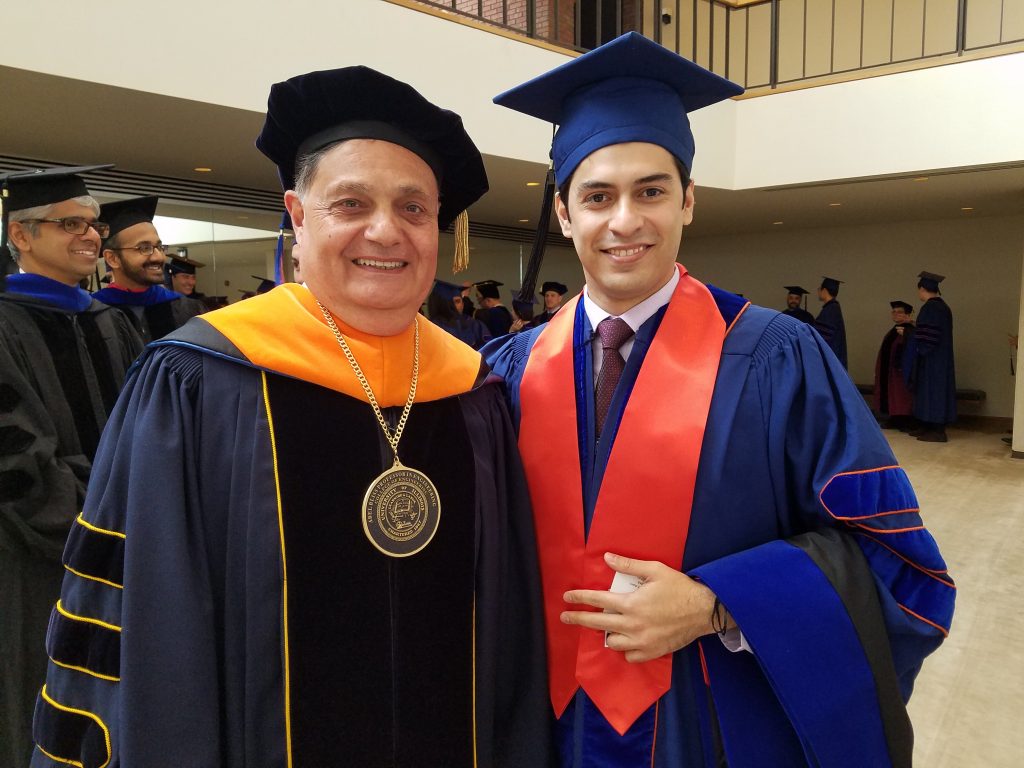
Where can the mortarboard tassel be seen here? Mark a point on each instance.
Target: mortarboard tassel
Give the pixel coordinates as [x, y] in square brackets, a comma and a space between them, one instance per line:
[278, 258]
[460, 261]
[7, 265]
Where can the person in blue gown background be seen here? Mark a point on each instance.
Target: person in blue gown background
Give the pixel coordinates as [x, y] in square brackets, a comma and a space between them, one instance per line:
[933, 373]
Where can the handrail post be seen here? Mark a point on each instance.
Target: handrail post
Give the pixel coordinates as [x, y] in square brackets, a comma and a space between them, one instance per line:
[773, 63]
[961, 27]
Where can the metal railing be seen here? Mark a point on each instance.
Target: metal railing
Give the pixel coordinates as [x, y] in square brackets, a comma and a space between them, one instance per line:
[769, 43]
[576, 24]
[776, 42]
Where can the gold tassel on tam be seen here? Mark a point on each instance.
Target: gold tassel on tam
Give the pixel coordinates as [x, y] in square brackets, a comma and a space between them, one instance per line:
[460, 261]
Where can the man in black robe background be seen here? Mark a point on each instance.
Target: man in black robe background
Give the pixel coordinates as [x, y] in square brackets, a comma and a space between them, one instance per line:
[934, 373]
[63, 359]
[136, 257]
[829, 322]
[794, 295]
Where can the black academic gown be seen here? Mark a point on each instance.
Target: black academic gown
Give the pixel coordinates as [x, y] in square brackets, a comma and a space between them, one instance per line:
[154, 312]
[934, 374]
[259, 627]
[468, 330]
[800, 314]
[60, 373]
[542, 318]
[829, 324]
[497, 319]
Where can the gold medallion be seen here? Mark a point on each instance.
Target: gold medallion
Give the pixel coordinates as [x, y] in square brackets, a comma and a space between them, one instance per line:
[401, 508]
[401, 511]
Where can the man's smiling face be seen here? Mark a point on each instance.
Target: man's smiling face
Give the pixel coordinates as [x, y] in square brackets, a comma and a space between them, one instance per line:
[625, 213]
[367, 228]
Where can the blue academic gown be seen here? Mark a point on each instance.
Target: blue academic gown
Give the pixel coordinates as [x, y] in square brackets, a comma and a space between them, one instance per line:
[179, 642]
[801, 515]
[933, 375]
[154, 312]
[830, 325]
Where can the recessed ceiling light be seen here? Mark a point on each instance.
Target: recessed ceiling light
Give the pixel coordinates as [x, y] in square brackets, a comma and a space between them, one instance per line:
[967, 209]
[834, 205]
[524, 221]
[243, 217]
[777, 222]
[533, 183]
[202, 169]
[921, 178]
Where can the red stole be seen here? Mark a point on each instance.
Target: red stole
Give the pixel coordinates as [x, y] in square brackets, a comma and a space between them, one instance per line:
[643, 507]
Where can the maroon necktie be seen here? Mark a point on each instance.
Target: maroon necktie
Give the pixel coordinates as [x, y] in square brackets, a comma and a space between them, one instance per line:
[614, 332]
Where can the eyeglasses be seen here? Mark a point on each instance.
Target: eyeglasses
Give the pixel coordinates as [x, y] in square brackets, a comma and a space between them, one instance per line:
[146, 249]
[76, 225]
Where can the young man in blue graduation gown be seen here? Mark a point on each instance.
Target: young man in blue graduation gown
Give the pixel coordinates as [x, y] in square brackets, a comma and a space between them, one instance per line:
[731, 481]
[63, 359]
[308, 542]
[933, 374]
[829, 322]
[136, 257]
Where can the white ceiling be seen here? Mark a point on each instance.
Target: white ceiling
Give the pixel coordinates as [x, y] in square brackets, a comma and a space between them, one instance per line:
[62, 120]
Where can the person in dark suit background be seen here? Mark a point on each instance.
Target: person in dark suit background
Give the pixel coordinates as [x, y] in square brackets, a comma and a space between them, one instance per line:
[829, 322]
[552, 293]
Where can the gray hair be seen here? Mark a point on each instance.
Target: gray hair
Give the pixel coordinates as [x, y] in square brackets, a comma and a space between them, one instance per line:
[43, 212]
[306, 168]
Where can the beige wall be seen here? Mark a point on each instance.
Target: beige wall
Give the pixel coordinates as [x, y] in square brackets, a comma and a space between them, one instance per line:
[981, 258]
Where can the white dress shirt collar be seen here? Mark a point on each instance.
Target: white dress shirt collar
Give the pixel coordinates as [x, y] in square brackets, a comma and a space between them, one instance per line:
[638, 314]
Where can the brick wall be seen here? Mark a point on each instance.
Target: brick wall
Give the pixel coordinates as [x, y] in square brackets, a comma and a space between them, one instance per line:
[514, 13]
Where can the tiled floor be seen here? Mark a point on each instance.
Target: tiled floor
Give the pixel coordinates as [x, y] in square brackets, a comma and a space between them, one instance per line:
[968, 705]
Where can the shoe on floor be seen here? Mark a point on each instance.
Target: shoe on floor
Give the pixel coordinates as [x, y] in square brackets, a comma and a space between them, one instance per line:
[932, 437]
[1007, 440]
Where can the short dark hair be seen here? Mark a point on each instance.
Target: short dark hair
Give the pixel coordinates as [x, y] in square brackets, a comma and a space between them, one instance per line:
[684, 177]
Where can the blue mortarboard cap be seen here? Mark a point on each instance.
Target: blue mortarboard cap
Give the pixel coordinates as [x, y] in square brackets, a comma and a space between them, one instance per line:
[447, 291]
[315, 110]
[930, 281]
[522, 303]
[121, 214]
[630, 89]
